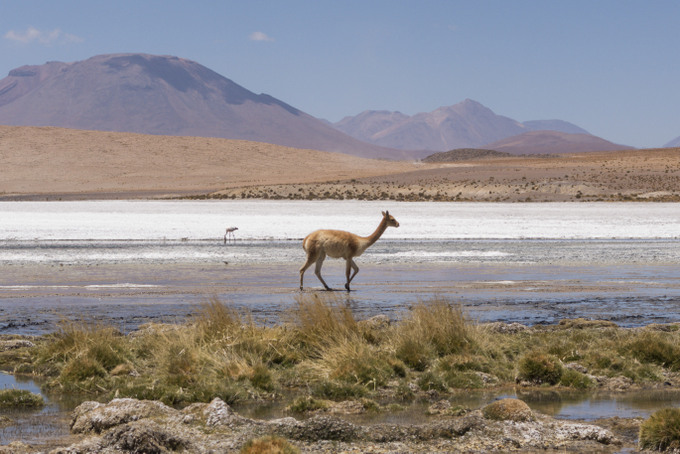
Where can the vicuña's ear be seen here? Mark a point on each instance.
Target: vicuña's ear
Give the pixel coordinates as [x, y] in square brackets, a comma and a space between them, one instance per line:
[384, 214]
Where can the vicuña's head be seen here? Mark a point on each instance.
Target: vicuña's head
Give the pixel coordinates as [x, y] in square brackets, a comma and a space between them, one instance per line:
[391, 222]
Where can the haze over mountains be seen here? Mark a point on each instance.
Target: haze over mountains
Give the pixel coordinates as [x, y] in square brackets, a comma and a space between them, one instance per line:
[166, 95]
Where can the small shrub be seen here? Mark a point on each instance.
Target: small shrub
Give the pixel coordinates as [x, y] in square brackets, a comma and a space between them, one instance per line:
[261, 378]
[661, 431]
[574, 379]
[404, 392]
[414, 353]
[109, 355]
[20, 398]
[463, 380]
[81, 368]
[538, 368]
[431, 381]
[181, 365]
[652, 347]
[269, 445]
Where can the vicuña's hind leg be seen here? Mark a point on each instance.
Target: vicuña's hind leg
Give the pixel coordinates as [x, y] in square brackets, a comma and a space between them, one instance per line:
[311, 258]
[317, 270]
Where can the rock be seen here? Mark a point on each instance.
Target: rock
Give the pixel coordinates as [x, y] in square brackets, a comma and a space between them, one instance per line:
[218, 413]
[316, 428]
[439, 408]
[126, 425]
[619, 383]
[146, 436]
[13, 344]
[577, 367]
[506, 328]
[95, 417]
[581, 323]
[508, 410]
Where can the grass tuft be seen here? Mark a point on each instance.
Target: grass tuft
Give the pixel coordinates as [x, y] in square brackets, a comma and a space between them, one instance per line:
[20, 398]
[661, 431]
[269, 445]
[540, 368]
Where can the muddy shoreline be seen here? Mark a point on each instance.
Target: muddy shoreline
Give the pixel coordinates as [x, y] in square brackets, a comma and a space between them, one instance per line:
[33, 298]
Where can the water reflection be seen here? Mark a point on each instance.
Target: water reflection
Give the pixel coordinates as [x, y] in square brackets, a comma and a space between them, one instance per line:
[31, 426]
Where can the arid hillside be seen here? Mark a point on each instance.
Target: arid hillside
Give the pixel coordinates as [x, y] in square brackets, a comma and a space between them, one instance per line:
[631, 175]
[54, 163]
[38, 162]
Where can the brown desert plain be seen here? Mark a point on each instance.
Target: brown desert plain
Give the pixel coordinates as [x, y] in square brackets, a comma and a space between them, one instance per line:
[41, 163]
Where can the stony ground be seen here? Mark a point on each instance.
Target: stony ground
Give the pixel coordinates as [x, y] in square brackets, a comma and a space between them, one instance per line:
[129, 425]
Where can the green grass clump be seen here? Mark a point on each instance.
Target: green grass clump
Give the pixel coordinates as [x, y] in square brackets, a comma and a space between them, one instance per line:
[540, 368]
[653, 347]
[20, 398]
[334, 390]
[661, 431]
[307, 404]
[575, 379]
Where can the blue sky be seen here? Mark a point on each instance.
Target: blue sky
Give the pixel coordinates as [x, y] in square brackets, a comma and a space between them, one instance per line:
[609, 66]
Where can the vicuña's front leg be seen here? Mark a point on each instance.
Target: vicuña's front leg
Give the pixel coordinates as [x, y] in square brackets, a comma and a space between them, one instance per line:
[350, 266]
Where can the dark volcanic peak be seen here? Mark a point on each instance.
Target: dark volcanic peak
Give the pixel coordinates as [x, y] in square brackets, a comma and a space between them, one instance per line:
[465, 154]
[161, 95]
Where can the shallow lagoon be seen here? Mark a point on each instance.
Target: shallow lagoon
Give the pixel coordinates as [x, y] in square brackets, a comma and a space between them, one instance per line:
[130, 262]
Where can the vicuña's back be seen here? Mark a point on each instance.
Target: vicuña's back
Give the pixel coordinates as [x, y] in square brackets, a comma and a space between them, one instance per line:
[340, 244]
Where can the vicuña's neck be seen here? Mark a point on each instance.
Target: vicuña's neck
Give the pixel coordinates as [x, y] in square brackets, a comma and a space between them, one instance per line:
[377, 234]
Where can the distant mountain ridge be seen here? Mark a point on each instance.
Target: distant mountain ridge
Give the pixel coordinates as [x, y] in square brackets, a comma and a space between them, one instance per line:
[467, 124]
[673, 143]
[166, 95]
[552, 142]
[163, 95]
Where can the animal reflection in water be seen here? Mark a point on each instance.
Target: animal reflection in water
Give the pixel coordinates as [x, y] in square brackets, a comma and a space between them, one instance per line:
[229, 235]
[340, 244]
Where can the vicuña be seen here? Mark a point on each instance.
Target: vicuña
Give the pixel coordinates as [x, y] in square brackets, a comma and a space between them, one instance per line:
[340, 244]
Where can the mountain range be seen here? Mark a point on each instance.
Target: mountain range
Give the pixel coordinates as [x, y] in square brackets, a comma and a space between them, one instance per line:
[162, 95]
[167, 95]
[467, 124]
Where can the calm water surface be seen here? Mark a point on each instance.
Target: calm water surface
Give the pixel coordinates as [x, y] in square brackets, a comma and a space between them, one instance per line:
[130, 262]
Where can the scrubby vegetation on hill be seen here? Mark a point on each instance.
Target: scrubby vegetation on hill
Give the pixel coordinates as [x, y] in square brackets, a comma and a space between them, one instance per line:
[464, 154]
